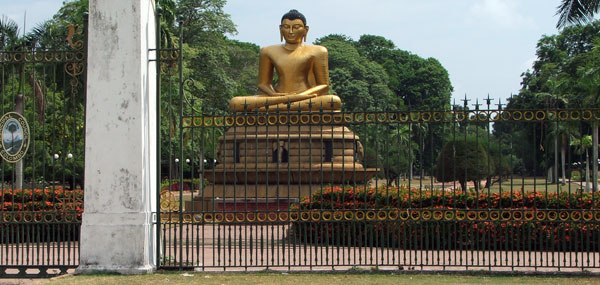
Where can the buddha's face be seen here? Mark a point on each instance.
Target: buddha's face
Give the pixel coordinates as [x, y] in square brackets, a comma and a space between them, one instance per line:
[293, 30]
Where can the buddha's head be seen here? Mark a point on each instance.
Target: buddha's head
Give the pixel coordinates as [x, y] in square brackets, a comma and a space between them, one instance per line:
[293, 27]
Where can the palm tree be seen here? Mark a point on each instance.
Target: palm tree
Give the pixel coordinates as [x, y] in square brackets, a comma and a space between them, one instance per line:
[559, 133]
[11, 41]
[9, 33]
[587, 83]
[167, 12]
[400, 148]
[583, 144]
[555, 99]
[576, 12]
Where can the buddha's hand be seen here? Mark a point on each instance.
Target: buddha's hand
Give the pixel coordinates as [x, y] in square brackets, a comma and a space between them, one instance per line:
[278, 94]
[301, 95]
[308, 96]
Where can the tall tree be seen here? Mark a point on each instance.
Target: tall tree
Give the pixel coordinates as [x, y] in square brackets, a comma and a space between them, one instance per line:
[563, 76]
[587, 85]
[361, 83]
[582, 11]
[422, 83]
[583, 144]
[9, 33]
[199, 16]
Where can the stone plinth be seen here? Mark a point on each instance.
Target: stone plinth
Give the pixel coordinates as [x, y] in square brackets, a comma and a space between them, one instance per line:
[289, 155]
[239, 204]
[282, 162]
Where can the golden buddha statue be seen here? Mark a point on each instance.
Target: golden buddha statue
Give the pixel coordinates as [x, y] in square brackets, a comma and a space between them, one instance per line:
[302, 72]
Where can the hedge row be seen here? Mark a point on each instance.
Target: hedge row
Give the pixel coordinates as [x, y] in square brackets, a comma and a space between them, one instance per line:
[449, 234]
[56, 199]
[404, 198]
[40, 215]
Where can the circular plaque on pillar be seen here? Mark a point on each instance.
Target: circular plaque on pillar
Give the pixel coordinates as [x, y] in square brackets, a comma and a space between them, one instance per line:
[15, 137]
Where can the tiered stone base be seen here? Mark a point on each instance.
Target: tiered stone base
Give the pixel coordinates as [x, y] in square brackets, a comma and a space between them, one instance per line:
[275, 166]
[239, 204]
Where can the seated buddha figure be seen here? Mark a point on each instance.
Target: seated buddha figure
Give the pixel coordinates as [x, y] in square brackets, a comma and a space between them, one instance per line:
[302, 74]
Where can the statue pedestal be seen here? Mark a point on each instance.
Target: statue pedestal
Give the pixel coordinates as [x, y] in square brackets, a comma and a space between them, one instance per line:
[239, 204]
[265, 166]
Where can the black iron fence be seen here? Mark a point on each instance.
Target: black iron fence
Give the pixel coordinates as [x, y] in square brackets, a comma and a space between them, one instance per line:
[42, 93]
[494, 189]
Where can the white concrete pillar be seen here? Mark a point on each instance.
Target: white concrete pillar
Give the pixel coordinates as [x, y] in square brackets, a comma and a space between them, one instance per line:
[117, 234]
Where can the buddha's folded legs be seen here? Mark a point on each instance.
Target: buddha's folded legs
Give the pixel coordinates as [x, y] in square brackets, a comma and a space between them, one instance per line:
[319, 103]
[250, 103]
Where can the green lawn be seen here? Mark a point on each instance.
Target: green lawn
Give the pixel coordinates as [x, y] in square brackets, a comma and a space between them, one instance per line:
[316, 278]
[529, 184]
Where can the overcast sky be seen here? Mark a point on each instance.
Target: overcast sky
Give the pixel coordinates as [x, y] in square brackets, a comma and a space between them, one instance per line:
[484, 44]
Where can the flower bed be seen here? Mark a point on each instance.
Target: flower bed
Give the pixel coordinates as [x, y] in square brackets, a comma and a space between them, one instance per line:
[40, 214]
[452, 220]
[56, 199]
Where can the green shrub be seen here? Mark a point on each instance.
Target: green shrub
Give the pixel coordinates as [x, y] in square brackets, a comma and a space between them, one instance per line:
[463, 160]
[576, 175]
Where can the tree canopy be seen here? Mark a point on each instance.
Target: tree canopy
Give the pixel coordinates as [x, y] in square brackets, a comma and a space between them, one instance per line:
[566, 74]
[463, 160]
[372, 72]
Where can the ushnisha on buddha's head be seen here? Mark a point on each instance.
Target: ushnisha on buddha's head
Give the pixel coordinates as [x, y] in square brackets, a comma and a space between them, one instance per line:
[293, 27]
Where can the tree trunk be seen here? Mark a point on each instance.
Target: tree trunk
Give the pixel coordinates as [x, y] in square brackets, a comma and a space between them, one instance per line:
[595, 157]
[476, 184]
[174, 171]
[562, 161]
[39, 95]
[200, 171]
[555, 176]
[463, 184]
[587, 171]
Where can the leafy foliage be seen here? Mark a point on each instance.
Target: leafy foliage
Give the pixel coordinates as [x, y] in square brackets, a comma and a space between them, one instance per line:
[360, 83]
[576, 11]
[373, 74]
[421, 83]
[566, 74]
[54, 102]
[463, 160]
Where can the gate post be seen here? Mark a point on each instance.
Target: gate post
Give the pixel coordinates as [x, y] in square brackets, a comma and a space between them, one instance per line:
[117, 232]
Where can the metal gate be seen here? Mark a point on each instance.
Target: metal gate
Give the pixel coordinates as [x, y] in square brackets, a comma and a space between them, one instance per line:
[405, 190]
[42, 93]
